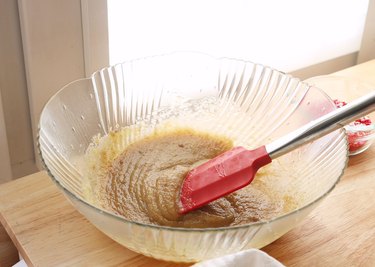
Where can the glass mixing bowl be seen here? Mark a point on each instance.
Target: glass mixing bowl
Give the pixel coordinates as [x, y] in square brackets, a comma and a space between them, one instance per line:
[269, 104]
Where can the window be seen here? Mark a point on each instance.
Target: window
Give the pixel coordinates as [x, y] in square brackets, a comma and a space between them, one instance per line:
[287, 35]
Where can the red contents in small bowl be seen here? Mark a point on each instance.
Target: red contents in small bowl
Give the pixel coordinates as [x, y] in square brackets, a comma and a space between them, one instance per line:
[356, 138]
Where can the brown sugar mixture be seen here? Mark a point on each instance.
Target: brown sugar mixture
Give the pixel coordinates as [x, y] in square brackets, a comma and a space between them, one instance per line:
[142, 184]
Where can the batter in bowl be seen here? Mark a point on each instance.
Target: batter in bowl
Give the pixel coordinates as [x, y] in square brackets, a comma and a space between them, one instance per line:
[143, 182]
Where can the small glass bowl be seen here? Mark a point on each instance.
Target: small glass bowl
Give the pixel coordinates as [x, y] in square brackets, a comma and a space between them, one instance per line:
[360, 137]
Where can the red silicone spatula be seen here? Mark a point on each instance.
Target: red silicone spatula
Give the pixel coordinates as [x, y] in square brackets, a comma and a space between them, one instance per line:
[237, 167]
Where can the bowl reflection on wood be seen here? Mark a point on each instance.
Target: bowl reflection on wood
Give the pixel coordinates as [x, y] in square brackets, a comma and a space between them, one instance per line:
[121, 95]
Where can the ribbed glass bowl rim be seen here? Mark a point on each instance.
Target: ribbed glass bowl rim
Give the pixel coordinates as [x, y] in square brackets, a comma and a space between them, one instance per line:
[359, 128]
[182, 229]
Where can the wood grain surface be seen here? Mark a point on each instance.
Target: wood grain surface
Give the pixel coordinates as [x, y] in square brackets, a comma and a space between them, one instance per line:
[48, 231]
[8, 252]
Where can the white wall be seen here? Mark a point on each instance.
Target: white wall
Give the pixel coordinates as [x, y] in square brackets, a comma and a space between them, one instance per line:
[53, 49]
[5, 167]
[63, 40]
[14, 91]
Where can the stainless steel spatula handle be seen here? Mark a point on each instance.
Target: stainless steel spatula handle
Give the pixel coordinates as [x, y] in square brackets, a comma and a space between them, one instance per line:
[322, 126]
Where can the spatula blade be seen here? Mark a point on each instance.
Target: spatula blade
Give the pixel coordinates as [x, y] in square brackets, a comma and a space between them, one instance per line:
[220, 176]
